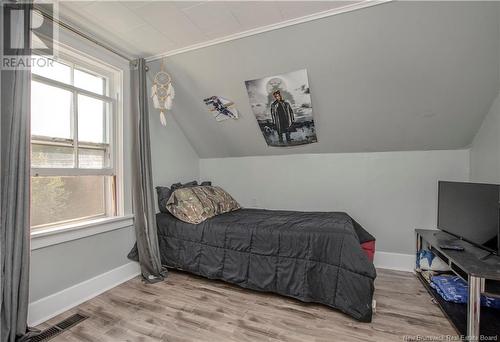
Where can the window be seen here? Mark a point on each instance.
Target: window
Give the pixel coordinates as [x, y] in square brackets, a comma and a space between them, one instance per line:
[73, 130]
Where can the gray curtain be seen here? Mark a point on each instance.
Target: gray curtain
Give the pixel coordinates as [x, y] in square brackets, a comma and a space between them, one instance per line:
[15, 196]
[147, 250]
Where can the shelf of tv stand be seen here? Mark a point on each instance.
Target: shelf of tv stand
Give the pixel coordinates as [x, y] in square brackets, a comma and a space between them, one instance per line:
[472, 261]
[457, 313]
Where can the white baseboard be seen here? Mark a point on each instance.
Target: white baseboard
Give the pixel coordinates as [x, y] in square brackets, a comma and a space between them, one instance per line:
[395, 261]
[51, 306]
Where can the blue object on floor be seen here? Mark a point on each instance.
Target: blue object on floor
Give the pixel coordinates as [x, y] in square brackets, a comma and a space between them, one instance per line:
[454, 289]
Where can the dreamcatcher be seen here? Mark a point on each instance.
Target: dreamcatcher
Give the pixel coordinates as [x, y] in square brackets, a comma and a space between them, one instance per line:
[162, 93]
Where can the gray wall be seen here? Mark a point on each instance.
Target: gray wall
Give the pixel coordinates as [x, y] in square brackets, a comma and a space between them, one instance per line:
[485, 150]
[399, 76]
[173, 158]
[58, 267]
[389, 193]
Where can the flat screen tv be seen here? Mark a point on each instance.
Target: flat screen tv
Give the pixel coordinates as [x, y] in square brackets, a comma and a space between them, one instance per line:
[471, 211]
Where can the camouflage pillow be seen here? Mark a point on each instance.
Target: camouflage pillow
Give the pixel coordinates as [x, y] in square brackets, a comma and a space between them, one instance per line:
[196, 204]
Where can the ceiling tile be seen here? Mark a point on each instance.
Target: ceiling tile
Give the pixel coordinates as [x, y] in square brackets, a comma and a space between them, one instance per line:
[214, 18]
[133, 5]
[297, 9]
[252, 14]
[113, 15]
[187, 4]
[172, 22]
[74, 4]
[149, 41]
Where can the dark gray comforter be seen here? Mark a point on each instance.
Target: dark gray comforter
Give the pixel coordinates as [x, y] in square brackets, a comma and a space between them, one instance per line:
[311, 256]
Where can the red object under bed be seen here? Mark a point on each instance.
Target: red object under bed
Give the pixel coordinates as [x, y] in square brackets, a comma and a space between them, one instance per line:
[369, 248]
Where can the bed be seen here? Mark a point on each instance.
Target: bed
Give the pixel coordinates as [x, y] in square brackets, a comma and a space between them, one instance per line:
[320, 257]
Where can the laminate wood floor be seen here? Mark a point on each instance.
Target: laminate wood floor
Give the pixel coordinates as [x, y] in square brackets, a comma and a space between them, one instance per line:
[191, 308]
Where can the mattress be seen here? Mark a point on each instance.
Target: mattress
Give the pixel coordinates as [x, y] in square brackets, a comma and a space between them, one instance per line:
[311, 256]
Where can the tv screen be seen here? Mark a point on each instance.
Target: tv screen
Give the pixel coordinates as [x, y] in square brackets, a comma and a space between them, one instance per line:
[471, 211]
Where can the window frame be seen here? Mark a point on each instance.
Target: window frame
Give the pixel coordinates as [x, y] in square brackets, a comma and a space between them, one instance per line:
[113, 172]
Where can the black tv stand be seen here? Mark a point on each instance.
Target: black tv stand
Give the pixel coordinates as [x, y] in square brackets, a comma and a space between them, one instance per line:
[480, 269]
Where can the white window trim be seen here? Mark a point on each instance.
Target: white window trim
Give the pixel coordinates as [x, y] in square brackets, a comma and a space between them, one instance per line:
[59, 233]
[54, 235]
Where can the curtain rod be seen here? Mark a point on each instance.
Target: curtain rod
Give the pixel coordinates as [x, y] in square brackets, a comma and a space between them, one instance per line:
[81, 34]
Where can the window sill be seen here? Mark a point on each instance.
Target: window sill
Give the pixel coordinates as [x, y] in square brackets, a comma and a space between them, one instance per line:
[54, 235]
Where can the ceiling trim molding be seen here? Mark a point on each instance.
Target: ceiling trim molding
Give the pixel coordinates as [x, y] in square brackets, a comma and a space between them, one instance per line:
[267, 28]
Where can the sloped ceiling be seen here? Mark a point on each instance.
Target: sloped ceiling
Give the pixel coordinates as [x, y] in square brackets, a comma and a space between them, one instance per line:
[394, 77]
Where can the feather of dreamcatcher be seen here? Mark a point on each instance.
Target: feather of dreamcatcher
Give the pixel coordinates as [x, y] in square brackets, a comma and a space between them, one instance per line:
[156, 103]
[170, 97]
[163, 118]
[162, 93]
